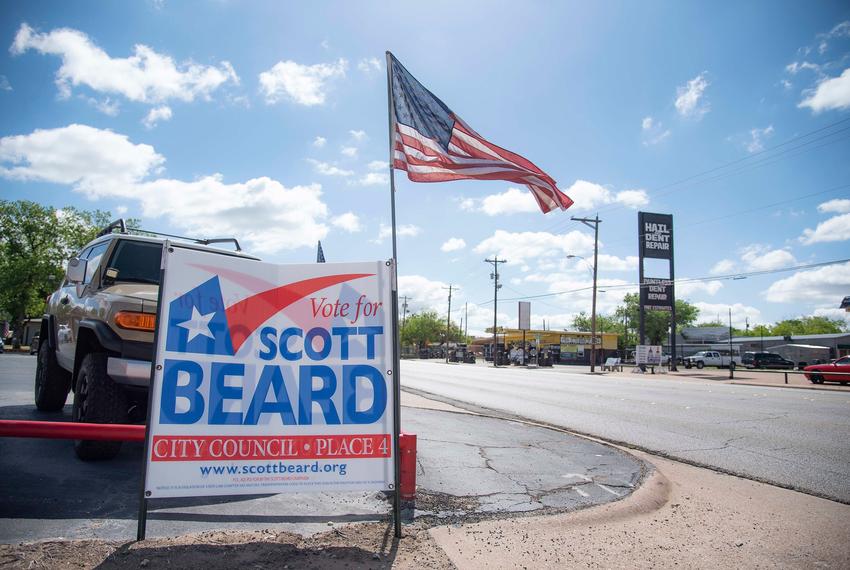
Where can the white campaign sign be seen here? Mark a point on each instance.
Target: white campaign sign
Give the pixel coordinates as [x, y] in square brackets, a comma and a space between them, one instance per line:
[648, 354]
[270, 378]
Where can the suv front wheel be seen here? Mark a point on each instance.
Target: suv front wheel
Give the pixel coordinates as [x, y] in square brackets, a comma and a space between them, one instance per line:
[52, 382]
[97, 400]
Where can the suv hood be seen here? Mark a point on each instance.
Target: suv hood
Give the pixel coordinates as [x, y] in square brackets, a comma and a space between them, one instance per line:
[142, 291]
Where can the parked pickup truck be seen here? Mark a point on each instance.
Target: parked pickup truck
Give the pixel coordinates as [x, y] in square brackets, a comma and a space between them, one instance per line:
[705, 358]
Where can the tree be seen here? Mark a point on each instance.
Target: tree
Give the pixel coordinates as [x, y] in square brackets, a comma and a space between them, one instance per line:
[658, 322]
[808, 325]
[604, 323]
[35, 242]
[427, 327]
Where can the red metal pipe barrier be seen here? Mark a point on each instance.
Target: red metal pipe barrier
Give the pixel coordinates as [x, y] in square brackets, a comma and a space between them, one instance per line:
[71, 430]
[407, 482]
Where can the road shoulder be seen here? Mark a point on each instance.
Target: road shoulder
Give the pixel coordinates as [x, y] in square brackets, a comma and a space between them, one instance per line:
[683, 516]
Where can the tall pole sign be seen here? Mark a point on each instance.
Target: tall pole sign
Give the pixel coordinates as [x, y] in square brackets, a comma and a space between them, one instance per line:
[655, 239]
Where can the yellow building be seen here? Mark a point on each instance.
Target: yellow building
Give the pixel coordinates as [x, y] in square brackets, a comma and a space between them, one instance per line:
[566, 347]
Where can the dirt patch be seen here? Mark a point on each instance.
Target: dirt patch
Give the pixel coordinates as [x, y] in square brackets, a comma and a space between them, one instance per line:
[370, 545]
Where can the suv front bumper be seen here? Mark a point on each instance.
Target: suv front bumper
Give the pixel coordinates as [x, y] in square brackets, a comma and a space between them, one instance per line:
[129, 372]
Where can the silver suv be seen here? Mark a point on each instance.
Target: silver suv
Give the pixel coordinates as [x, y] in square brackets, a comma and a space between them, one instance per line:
[97, 333]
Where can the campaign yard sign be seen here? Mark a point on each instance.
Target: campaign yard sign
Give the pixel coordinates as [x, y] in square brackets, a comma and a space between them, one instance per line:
[270, 378]
[648, 354]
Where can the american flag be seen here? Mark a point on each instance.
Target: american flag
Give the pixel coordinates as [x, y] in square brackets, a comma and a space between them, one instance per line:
[434, 145]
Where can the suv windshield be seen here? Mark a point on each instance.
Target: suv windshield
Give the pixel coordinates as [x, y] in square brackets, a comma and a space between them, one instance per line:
[136, 261]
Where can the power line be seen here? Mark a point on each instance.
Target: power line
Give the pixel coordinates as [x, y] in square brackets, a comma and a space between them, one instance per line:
[742, 275]
[764, 161]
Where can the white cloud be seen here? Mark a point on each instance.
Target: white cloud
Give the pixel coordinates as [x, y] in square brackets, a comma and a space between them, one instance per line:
[709, 312]
[614, 263]
[405, 230]
[824, 285]
[349, 151]
[319, 142]
[303, 84]
[836, 206]
[632, 198]
[833, 312]
[653, 131]
[521, 246]
[4, 83]
[762, 258]
[511, 201]
[757, 136]
[453, 244]
[348, 222]
[359, 136]
[590, 196]
[107, 105]
[374, 179]
[831, 93]
[836, 228]
[369, 65]
[377, 165]
[688, 288]
[796, 67]
[688, 97]
[261, 212]
[723, 267]
[97, 162]
[145, 77]
[329, 169]
[156, 115]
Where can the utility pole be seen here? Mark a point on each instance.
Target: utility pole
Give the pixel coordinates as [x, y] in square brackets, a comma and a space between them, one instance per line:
[466, 321]
[404, 310]
[731, 362]
[496, 286]
[592, 223]
[448, 322]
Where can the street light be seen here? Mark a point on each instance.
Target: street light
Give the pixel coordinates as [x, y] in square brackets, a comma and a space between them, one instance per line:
[592, 223]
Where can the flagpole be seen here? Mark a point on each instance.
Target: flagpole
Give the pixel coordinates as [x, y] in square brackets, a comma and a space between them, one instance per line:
[396, 345]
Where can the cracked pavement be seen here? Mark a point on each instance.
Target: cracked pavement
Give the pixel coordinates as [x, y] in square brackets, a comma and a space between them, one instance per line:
[502, 467]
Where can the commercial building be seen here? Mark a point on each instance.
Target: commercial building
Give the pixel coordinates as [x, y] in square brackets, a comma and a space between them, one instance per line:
[838, 343]
[564, 347]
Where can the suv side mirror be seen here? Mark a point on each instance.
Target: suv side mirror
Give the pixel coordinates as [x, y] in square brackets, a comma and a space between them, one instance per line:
[76, 270]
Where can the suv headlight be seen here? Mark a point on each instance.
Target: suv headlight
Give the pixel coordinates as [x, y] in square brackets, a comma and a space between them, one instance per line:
[136, 321]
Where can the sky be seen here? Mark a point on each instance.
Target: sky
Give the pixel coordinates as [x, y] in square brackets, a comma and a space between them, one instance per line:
[267, 121]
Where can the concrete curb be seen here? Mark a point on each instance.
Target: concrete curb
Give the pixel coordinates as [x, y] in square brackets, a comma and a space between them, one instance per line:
[794, 386]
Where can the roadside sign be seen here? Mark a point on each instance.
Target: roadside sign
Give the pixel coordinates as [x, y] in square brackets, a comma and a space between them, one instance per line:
[524, 315]
[270, 378]
[657, 294]
[648, 354]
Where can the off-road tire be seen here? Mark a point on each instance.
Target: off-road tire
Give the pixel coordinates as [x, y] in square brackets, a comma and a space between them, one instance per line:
[52, 382]
[700, 364]
[97, 400]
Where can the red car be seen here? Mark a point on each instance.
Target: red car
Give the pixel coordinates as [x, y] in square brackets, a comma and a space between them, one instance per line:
[818, 373]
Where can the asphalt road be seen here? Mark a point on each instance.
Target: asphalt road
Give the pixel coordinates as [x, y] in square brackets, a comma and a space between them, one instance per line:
[798, 439]
[468, 465]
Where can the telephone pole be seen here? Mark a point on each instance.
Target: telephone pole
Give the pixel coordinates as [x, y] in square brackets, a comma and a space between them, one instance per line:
[496, 286]
[592, 223]
[448, 323]
[466, 321]
[404, 310]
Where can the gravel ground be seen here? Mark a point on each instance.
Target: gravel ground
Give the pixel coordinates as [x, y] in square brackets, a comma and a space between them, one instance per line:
[355, 546]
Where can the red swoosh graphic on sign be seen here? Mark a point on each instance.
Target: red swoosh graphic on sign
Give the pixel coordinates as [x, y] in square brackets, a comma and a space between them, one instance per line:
[247, 315]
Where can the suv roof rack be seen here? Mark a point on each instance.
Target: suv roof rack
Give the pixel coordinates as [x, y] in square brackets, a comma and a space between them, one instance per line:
[119, 223]
[122, 226]
[206, 241]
